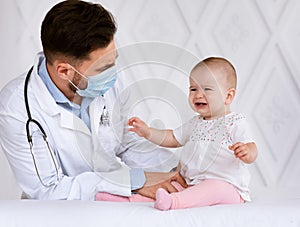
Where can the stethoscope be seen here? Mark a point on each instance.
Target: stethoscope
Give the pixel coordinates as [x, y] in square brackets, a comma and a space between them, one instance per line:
[44, 135]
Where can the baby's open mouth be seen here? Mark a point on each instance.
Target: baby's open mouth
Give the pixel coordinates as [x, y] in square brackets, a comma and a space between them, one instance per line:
[200, 104]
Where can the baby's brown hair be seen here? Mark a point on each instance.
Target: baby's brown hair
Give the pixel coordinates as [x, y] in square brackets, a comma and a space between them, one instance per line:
[223, 66]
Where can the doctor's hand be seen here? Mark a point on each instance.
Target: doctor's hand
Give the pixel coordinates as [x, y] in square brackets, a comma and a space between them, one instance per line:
[155, 180]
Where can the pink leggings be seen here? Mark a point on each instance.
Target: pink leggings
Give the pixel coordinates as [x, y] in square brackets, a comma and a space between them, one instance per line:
[208, 192]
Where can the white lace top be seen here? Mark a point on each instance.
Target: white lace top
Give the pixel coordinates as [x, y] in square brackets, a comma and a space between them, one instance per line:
[206, 154]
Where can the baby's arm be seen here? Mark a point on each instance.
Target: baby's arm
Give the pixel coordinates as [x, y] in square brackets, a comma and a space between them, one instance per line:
[163, 138]
[247, 152]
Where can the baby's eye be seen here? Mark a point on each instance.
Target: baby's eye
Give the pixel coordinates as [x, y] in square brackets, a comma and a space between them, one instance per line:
[208, 89]
[193, 89]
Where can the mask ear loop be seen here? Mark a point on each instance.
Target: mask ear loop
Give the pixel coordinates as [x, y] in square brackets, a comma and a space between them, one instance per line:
[79, 74]
[77, 88]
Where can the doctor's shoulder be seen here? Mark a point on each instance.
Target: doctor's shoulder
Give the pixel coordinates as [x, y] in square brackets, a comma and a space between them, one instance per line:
[14, 89]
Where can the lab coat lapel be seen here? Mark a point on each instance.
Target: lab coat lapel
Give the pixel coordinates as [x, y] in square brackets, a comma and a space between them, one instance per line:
[70, 121]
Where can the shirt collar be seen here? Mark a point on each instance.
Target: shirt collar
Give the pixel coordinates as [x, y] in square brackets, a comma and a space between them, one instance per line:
[58, 96]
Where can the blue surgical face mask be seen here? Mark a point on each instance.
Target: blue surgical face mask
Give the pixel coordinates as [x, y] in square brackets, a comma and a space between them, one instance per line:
[97, 84]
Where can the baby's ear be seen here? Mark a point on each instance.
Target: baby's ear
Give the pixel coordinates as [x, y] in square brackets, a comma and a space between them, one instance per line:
[230, 96]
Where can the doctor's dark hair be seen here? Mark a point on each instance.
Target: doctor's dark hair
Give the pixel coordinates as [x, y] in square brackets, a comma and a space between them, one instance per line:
[74, 28]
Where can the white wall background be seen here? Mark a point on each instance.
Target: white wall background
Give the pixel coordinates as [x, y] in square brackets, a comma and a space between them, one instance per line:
[261, 38]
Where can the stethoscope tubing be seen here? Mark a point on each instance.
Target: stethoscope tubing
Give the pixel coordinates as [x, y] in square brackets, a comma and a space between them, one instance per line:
[29, 137]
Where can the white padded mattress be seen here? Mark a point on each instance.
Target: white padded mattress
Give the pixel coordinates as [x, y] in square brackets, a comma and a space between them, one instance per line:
[31, 213]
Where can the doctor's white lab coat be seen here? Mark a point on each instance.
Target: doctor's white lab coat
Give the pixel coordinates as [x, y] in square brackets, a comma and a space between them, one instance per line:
[88, 160]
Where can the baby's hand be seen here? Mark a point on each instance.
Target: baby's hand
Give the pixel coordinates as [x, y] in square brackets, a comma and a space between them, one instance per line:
[139, 127]
[241, 151]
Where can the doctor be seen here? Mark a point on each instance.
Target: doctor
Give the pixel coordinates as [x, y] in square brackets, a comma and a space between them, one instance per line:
[63, 130]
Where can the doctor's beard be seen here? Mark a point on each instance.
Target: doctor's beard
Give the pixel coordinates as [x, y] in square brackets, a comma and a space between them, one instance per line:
[78, 82]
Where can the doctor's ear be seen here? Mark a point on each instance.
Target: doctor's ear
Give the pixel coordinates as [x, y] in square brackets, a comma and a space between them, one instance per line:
[64, 71]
